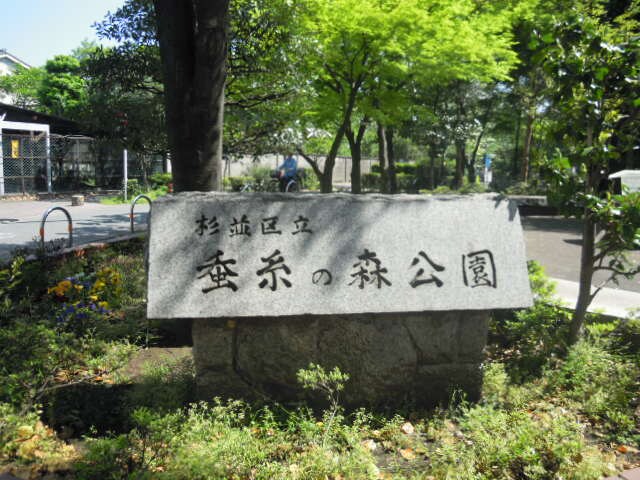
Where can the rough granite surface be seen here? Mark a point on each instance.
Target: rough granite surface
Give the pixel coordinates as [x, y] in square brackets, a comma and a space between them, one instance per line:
[216, 255]
[411, 359]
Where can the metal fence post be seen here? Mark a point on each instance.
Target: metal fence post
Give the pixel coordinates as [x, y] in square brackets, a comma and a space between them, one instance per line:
[125, 169]
[48, 142]
[1, 162]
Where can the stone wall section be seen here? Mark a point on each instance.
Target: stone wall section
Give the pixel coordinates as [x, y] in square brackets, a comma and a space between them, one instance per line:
[393, 359]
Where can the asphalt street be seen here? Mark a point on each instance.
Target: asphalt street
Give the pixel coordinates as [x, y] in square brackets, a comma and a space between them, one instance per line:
[556, 243]
[553, 241]
[20, 222]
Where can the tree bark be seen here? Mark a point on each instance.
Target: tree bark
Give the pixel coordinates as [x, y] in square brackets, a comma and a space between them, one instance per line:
[526, 150]
[516, 150]
[461, 160]
[355, 146]
[587, 256]
[382, 158]
[471, 167]
[432, 167]
[586, 275]
[193, 47]
[391, 158]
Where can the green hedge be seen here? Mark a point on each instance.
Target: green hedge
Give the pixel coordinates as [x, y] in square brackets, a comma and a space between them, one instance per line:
[235, 184]
[406, 182]
[161, 179]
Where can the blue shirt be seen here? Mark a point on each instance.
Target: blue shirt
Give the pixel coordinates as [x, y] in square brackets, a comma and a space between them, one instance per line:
[290, 167]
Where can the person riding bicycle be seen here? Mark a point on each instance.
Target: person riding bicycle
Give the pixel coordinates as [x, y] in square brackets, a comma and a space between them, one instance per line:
[287, 171]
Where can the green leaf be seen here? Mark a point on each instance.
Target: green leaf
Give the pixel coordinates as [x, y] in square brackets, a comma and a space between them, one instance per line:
[601, 73]
[548, 38]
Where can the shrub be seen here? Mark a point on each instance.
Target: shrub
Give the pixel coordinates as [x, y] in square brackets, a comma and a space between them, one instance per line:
[599, 383]
[161, 179]
[133, 188]
[525, 340]
[25, 439]
[406, 168]
[406, 182]
[473, 188]
[31, 355]
[526, 188]
[442, 190]
[310, 180]
[260, 174]
[503, 444]
[140, 453]
[235, 184]
[371, 181]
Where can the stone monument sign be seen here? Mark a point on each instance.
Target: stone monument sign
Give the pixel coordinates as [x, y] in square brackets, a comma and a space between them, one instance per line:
[395, 290]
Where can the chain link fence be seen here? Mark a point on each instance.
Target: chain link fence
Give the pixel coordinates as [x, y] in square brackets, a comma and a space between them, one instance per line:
[77, 163]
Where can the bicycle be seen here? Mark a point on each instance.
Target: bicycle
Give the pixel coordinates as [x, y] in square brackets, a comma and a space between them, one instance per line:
[273, 185]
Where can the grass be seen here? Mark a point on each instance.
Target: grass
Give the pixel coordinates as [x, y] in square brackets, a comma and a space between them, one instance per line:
[547, 412]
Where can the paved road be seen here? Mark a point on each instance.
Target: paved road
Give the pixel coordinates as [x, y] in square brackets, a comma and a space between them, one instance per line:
[20, 222]
[556, 242]
[553, 241]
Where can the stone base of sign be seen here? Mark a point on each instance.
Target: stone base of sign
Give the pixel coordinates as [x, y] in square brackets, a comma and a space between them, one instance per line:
[393, 359]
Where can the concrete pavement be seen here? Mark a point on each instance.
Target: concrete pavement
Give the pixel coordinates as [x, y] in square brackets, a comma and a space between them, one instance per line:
[609, 301]
[20, 222]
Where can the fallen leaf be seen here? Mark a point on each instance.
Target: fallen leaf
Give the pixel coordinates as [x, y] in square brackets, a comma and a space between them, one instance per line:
[369, 444]
[407, 428]
[407, 453]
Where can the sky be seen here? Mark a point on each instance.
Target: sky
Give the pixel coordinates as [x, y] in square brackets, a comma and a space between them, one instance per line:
[37, 30]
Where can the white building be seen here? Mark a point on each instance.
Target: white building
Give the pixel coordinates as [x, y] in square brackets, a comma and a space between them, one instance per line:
[8, 65]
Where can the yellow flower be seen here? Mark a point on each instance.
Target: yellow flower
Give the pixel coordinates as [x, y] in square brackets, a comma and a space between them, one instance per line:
[58, 290]
[78, 287]
[99, 285]
[93, 298]
[103, 304]
[65, 285]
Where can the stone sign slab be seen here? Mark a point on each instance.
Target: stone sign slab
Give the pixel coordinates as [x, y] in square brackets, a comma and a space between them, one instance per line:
[215, 255]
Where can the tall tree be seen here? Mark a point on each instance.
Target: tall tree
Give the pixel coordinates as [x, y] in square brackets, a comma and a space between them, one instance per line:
[595, 68]
[259, 72]
[63, 91]
[193, 49]
[369, 49]
[23, 85]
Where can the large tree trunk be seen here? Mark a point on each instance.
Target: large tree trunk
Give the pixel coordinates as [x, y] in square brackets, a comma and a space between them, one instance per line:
[516, 149]
[193, 47]
[326, 177]
[471, 166]
[432, 167]
[355, 146]
[461, 160]
[586, 276]
[382, 158]
[391, 158]
[526, 150]
[587, 256]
